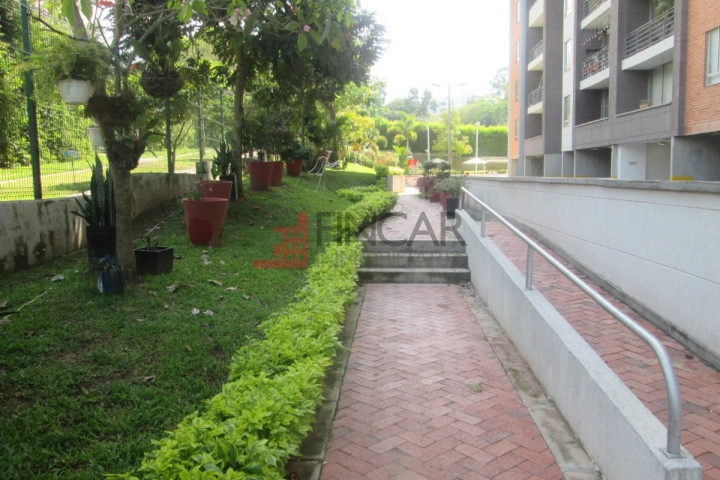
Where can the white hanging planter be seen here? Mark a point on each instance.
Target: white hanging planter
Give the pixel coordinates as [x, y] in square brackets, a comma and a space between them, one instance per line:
[95, 137]
[75, 92]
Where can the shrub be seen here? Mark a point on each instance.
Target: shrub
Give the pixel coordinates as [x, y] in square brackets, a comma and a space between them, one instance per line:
[371, 208]
[256, 423]
[381, 171]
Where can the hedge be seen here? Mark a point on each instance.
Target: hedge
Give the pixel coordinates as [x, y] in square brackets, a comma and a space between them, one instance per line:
[256, 423]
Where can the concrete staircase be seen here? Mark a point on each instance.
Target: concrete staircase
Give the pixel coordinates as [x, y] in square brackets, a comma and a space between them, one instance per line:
[416, 262]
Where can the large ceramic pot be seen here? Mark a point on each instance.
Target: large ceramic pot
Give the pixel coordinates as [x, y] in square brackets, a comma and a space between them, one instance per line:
[294, 168]
[215, 188]
[231, 178]
[205, 219]
[277, 174]
[152, 261]
[260, 174]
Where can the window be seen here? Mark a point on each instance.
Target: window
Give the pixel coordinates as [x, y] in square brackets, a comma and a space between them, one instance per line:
[517, 89]
[517, 11]
[567, 55]
[567, 109]
[517, 51]
[660, 84]
[517, 128]
[713, 57]
[568, 7]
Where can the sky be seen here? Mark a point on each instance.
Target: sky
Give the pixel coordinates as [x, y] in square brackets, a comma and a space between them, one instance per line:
[446, 42]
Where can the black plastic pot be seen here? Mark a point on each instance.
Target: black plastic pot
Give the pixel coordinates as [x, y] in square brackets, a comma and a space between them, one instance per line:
[152, 261]
[101, 241]
[453, 203]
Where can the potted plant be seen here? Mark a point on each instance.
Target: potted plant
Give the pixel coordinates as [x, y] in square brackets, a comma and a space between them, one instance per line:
[260, 172]
[224, 168]
[450, 190]
[78, 66]
[153, 259]
[645, 103]
[294, 158]
[110, 276]
[160, 48]
[204, 218]
[98, 211]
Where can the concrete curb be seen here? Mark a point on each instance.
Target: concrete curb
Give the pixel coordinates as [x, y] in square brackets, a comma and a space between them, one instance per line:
[314, 447]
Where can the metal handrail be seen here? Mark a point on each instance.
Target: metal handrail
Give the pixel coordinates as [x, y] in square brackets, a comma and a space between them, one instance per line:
[591, 5]
[535, 97]
[647, 35]
[596, 63]
[674, 427]
[536, 51]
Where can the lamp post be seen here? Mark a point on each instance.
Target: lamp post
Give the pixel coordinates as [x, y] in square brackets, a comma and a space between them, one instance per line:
[449, 122]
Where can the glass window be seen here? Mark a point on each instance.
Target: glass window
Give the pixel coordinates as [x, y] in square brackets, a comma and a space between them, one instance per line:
[517, 89]
[568, 7]
[517, 11]
[661, 83]
[713, 57]
[567, 55]
[566, 111]
[517, 128]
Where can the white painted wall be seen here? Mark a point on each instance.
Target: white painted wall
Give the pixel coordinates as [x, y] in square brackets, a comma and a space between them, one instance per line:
[654, 243]
[616, 429]
[631, 161]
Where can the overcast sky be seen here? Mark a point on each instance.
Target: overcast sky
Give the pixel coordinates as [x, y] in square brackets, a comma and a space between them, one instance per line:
[444, 42]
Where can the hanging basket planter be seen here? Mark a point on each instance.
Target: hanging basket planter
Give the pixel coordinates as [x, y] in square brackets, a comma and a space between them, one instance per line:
[75, 92]
[161, 85]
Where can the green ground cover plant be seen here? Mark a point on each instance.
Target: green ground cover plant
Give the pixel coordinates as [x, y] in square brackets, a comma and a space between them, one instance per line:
[88, 380]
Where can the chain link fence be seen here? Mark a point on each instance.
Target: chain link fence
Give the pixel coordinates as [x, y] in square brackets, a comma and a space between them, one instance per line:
[65, 148]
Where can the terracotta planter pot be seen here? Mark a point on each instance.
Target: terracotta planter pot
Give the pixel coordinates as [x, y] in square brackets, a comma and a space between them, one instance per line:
[152, 261]
[231, 178]
[215, 188]
[294, 168]
[277, 174]
[260, 175]
[443, 200]
[205, 219]
[434, 197]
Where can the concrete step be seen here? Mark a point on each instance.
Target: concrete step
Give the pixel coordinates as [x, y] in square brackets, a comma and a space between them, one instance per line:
[414, 275]
[415, 260]
[417, 246]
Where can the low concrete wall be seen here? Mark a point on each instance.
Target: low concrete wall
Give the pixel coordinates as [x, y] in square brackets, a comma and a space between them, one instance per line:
[617, 430]
[652, 244]
[35, 231]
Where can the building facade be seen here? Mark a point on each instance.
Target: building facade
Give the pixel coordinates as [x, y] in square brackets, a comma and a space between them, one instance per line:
[625, 89]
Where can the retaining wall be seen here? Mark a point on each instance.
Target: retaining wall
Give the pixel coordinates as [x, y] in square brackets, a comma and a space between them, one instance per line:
[36, 231]
[618, 431]
[651, 244]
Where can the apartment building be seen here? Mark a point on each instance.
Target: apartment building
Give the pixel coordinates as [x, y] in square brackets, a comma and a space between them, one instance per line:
[624, 89]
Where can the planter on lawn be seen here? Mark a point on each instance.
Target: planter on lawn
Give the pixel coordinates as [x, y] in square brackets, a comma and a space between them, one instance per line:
[260, 175]
[277, 174]
[205, 219]
[215, 188]
[152, 261]
[294, 168]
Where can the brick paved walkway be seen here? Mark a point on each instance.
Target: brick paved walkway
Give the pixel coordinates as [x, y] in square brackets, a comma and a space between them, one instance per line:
[629, 357]
[425, 397]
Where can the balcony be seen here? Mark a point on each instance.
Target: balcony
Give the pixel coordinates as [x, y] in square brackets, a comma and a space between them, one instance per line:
[536, 17]
[596, 14]
[536, 57]
[535, 101]
[596, 71]
[652, 44]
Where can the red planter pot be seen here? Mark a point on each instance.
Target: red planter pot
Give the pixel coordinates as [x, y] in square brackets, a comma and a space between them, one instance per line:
[277, 174]
[205, 219]
[215, 188]
[434, 196]
[443, 200]
[260, 175]
[294, 168]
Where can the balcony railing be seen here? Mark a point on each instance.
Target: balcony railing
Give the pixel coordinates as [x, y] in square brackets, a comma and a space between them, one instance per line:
[536, 51]
[656, 30]
[536, 96]
[592, 5]
[596, 63]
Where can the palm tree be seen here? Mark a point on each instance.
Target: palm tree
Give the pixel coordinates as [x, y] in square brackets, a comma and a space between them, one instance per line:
[402, 128]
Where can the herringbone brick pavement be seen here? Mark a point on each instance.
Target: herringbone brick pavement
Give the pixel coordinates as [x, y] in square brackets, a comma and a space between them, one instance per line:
[629, 357]
[425, 397]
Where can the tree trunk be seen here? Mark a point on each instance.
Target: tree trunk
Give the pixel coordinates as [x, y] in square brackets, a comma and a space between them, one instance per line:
[125, 243]
[239, 115]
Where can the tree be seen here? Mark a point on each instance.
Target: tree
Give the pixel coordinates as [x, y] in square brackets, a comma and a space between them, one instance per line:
[403, 131]
[459, 142]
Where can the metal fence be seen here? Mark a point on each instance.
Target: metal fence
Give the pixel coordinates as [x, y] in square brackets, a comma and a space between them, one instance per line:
[64, 147]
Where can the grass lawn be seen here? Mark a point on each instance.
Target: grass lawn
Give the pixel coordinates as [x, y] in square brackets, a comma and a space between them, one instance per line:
[87, 380]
